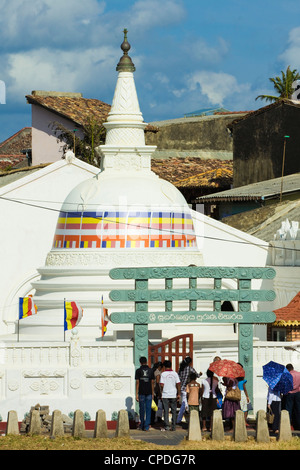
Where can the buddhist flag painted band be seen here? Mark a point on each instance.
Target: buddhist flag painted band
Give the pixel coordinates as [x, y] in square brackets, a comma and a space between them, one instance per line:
[73, 314]
[26, 307]
[104, 318]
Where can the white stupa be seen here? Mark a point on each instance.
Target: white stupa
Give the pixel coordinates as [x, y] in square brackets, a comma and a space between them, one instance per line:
[125, 216]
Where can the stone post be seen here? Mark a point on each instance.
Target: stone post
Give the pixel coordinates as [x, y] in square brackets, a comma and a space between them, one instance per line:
[285, 432]
[194, 433]
[122, 424]
[35, 422]
[217, 432]
[240, 432]
[100, 424]
[12, 426]
[57, 425]
[78, 424]
[262, 430]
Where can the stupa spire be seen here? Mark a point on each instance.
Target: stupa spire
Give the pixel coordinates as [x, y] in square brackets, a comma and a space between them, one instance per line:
[125, 148]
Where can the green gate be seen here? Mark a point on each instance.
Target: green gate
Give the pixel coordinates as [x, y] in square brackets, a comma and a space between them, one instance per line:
[243, 295]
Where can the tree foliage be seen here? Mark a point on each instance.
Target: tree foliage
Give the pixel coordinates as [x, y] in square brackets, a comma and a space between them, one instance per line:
[282, 85]
[83, 148]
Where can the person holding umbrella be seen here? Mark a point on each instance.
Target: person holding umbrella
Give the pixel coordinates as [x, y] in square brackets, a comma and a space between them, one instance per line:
[280, 381]
[274, 404]
[232, 401]
[229, 370]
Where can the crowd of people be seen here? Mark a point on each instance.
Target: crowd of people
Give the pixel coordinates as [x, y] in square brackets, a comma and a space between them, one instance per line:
[160, 390]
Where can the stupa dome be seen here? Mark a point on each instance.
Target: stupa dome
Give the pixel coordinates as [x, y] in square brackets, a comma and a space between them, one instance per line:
[124, 211]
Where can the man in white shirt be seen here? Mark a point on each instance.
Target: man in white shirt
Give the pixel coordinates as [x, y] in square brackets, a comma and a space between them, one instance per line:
[170, 387]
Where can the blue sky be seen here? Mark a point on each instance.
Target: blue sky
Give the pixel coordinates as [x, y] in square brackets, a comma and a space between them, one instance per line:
[189, 54]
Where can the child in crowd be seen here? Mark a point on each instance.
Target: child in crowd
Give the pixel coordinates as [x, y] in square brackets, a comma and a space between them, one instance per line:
[193, 390]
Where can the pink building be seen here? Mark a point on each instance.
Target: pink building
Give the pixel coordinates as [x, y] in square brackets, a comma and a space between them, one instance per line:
[69, 109]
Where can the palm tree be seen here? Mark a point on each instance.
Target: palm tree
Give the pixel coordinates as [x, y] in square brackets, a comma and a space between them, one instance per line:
[282, 85]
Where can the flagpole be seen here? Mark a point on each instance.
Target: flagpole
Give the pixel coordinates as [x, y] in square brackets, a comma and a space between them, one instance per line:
[19, 321]
[64, 321]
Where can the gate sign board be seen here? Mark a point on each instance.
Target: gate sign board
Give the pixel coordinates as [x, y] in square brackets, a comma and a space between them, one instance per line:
[243, 295]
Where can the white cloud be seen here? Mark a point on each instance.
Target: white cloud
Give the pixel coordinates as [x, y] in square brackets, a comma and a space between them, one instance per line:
[44, 69]
[199, 50]
[145, 14]
[25, 24]
[291, 56]
[216, 86]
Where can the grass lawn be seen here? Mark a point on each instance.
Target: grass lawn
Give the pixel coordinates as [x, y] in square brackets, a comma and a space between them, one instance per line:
[28, 442]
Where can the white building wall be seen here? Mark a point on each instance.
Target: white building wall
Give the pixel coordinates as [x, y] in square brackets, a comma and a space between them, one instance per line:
[29, 210]
[92, 376]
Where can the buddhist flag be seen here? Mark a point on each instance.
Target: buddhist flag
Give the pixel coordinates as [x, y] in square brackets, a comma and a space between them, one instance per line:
[73, 314]
[104, 318]
[26, 307]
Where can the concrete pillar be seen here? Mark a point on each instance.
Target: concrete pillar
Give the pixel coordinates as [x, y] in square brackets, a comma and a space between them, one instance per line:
[122, 424]
[285, 432]
[194, 433]
[35, 422]
[100, 424]
[262, 430]
[217, 432]
[78, 424]
[240, 431]
[12, 426]
[57, 425]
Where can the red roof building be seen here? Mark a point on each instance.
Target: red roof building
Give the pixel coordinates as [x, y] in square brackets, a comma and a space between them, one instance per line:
[288, 318]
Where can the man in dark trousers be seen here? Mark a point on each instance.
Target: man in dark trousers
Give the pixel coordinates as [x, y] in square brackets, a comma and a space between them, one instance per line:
[144, 380]
[292, 399]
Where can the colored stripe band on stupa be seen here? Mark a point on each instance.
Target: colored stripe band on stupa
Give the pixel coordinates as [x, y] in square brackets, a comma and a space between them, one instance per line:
[120, 229]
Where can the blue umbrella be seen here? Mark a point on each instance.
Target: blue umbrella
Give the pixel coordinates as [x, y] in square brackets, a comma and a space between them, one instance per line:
[278, 377]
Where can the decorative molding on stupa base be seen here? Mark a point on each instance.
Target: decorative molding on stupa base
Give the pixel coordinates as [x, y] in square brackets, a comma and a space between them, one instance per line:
[123, 258]
[131, 158]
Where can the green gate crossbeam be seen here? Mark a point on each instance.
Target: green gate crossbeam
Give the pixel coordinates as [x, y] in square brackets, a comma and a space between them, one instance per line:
[192, 317]
[193, 271]
[191, 294]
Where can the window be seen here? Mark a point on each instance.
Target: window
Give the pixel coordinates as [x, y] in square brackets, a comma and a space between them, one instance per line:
[278, 334]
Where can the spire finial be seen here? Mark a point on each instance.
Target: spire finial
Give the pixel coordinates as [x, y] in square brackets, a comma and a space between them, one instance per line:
[125, 64]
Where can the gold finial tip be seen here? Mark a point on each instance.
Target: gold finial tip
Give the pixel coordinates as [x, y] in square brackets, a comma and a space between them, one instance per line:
[125, 64]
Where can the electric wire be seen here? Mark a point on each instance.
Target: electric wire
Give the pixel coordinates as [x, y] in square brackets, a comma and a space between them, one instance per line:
[264, 245]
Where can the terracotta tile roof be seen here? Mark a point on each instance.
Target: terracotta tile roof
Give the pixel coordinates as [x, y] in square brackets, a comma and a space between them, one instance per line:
[289, 315]
[16, 143]
[76, 109]
[11, 149]
[193, 172]
[12, 161]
